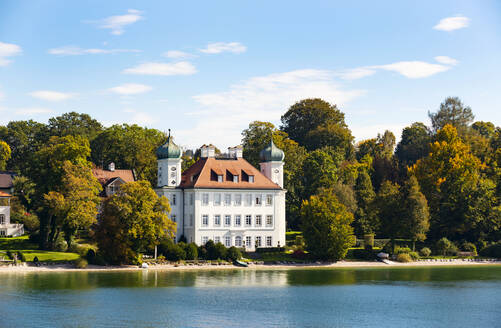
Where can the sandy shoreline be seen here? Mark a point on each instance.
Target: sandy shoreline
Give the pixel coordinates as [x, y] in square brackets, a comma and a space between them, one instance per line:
[171, 267]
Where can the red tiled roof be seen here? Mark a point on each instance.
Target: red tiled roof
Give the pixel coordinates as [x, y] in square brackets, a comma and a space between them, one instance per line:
[6, 179]
[103, 176]
[199, 175]
[4, 194]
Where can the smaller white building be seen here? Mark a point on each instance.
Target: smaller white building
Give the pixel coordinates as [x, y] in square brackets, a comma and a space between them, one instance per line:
[6, 228]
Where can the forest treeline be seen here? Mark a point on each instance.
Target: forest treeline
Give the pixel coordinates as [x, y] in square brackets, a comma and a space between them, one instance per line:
[441, 180]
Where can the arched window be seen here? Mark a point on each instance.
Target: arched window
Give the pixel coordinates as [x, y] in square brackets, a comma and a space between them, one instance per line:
[238, 241]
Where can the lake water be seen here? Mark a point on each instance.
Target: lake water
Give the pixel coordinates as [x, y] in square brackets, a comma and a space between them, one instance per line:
[360, 297]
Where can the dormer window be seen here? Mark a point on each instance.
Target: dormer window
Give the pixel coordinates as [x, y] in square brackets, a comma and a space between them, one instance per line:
[219, 178]
[251, 178]
[235, 178]
[247, 176]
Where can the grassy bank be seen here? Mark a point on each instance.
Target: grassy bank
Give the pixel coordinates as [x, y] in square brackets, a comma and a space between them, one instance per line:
[30, 250]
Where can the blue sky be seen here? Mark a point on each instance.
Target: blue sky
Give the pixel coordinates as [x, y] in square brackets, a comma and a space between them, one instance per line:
[207, 69]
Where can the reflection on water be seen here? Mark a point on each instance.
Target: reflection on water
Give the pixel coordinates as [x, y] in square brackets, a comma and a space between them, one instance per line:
[360, 297]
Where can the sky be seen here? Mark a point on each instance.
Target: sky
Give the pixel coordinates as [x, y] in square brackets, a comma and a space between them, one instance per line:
[207, 69]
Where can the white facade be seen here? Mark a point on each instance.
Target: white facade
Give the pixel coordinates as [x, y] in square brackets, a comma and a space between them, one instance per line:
[234, 217]
[169, 172]
[6, 228]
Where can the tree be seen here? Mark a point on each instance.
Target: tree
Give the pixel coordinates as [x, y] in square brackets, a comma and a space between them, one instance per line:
[5, 154]
[413, 145]
[452, 111]
[74, 204]
[314, 123]
[74, 124]
[319, 171]
[389, 208]
[485, 129]
[326, 226]
[131, 147]
[133, 220]
[450, 178]
[346, 196]
[416, 214]
[366, 220]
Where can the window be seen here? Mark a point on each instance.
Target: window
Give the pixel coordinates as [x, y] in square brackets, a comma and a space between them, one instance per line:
[251, 178]
[258, 220]
[248, 241]
[248, 200]
[238, 199]
[227, 220]
[227, 241]
[2, 218]
[205, 199]
[191, 220]
[269, 220]
[173, 199]
[227, 199]
[258, 200]
[205, 239]
[205, 220]
[238, 220]
[3, 233]
[217, 199]
[219, 178]
[258, 241]
[238, 241]
[235, 178]
[191, 199]
[268, 241]
[173, 217]
[248, 220]
[217, 240]
[217, 220]
[269, 200]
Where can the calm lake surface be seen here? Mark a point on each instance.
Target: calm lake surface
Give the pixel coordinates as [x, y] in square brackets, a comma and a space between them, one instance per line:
[359, 297]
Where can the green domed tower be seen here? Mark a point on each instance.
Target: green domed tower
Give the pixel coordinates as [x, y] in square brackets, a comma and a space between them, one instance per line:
[272, 163]
[169, 163]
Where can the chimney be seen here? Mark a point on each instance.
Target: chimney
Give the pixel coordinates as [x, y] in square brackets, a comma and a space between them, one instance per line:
[111, 167]
[235, 152]
[207, 151]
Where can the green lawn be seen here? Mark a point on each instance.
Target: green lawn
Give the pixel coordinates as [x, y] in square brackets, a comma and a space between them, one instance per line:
[31, 250]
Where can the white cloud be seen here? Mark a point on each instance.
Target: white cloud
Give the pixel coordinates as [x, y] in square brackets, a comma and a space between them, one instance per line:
[131, 89]
[225, 114]
[32, 111]
[153, 68]
[446, 60]
[8, 50]
[117, 23]
[452, 23]
[356, 73]
[176, 54]
[75, 51]
[51, 95]
[218, 47]
[414, 69]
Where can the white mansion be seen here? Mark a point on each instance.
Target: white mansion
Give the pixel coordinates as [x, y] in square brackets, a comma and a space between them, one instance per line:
[226, 200]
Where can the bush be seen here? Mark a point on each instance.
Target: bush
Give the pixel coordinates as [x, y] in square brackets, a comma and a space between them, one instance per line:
[404, 257]
[61, 245]
[493, 250]
[299, 254]
[175, 253]
[299, 241]
[233, 254]
[469, 247]
[369, 241]
[414, 256]
[446, 247]
[81, 263]
[361, 254]
[21, 257]
[425, 251]
[402, 250]
[191, 251]
[9, 255]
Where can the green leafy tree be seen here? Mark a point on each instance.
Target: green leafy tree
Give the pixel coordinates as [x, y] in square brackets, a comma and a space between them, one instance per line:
[389, 208]
[74, 124]
[485, 129]
[413, 145]
[5, 154]
[314, 123]
[366, 219]
[131, 147]
[452, 111]
[133, 220]
[326, 226]
[74, 204]
[319, 171]
[416, 214]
